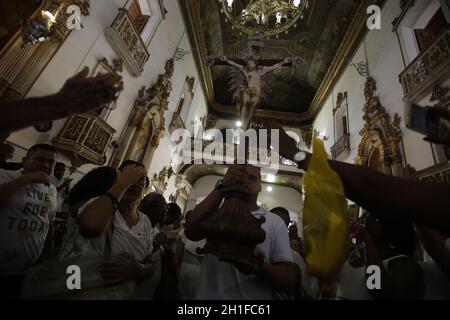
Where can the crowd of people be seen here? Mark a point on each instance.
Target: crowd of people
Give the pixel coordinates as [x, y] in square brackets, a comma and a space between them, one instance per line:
[134, 245]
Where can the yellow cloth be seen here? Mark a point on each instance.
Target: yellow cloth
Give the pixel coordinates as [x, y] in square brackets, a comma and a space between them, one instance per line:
[325, 221]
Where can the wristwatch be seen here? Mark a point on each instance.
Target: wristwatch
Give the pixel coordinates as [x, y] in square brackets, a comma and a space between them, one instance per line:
[219, 185]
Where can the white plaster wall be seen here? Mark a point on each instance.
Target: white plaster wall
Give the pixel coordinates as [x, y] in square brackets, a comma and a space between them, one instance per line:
[385, 64]
[85, 47]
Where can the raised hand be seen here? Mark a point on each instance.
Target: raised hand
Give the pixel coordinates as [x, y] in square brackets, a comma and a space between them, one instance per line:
[82, 94]
[130, 175]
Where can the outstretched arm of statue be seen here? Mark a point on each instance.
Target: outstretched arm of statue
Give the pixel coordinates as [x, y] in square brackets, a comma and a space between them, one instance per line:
[276, 66]
[231, 63]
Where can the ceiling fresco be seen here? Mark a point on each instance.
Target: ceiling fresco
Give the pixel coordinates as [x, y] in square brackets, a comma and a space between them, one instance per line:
[316, 38]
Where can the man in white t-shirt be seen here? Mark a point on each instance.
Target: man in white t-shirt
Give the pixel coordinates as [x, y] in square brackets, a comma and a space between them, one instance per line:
[224, 281]
[309, 283]
[27, 206]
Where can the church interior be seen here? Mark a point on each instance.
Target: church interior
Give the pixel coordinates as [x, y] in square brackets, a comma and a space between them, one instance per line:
[342, 78]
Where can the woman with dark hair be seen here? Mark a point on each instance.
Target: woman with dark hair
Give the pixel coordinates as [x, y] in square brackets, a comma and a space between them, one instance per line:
[384, 268]
[95, 183]
[112, 230]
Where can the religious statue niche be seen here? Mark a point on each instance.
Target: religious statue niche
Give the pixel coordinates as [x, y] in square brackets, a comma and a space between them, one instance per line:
[381, 137]
[247, 82]
[147, 122]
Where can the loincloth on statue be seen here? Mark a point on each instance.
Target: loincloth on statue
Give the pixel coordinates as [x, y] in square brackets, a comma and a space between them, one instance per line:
[247, 98]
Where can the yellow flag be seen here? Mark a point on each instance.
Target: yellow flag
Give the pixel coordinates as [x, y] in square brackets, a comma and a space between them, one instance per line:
[325, 221]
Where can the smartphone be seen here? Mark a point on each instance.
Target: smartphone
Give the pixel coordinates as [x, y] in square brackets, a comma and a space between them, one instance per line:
[423, 120]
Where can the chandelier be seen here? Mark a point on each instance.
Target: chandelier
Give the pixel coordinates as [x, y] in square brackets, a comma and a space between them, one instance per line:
[265, 18]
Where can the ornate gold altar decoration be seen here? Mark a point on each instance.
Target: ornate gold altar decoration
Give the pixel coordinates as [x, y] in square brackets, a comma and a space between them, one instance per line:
[160, 180]
[381, 136]
[149, 107]
[85, 139]
[182, 191]
[20, 65]
[266, 18]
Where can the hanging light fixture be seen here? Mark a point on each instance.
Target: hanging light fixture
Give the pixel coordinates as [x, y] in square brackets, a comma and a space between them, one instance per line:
[263, 17]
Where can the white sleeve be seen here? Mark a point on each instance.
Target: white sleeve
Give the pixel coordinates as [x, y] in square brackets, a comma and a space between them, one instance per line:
[281, 248]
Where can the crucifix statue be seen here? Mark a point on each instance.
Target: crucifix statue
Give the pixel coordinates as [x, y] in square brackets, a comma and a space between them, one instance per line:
[247, 85]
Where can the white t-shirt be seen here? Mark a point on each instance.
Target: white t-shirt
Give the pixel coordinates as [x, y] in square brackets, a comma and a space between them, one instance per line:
[24, 223]
[222, 281]
[137, 240]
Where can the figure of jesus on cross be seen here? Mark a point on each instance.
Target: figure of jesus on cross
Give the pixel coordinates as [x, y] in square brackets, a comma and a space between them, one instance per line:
[248, 94]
